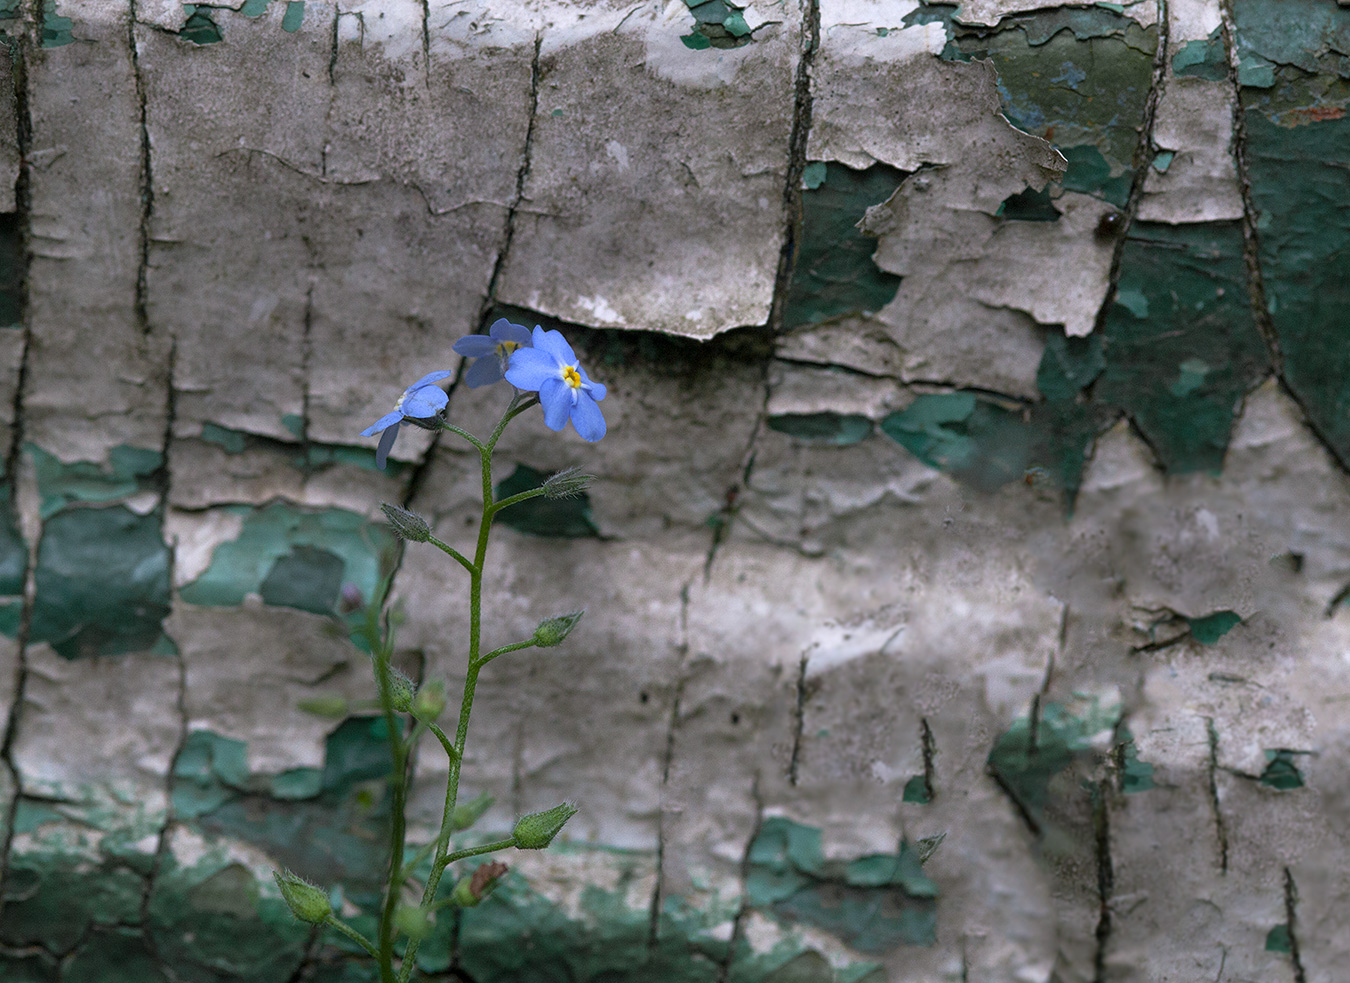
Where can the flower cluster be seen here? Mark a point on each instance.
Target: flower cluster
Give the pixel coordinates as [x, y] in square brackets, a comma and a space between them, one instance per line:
[539, 361]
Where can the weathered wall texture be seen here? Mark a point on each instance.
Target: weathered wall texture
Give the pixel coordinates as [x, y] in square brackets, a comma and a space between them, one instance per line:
[975, 491]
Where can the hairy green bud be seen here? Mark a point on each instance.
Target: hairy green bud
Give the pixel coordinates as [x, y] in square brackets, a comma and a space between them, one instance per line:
[333, 707]
[429, 701]
[552, 631]
[536, 831]
[307, 903]
[408, 525]
[402, 691]
[568, 483]
[414, 922]
[468, 813]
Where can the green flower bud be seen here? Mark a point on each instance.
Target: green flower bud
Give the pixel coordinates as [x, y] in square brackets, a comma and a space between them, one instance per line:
[473, 888]
[469, 813]
[414, 922]
[408, 525]
[568, 483]
[552, 631]
[334, 707]
[402, 690]
[536, 831]
[307, 903]
[429, 701]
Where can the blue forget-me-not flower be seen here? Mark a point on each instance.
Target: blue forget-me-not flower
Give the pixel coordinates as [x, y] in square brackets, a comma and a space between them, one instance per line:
[565, 391]
[420, 401]
[492, 351]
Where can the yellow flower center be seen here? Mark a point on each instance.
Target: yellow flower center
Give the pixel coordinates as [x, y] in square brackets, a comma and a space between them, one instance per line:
[571, 376]
[505, 348]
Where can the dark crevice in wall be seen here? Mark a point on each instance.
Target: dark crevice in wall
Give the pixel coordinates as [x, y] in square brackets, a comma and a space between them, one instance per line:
[20, 46]
[1220, 830]
[668, 756]
[147, 175]
[426, 45]
[1101, 827]
[798, 720]
[738, 922]
[1143, 155]
[929, 745]
[1291, 922]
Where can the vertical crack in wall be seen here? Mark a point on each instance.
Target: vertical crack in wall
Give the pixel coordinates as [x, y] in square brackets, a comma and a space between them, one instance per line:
[798, 720]
[426, 45]
[929, 745]
[738, 921]
[147, 176]
[1143, 155]
[307, 361]
[21, 46]
[1220, 831]
[1106, 876]
[1291, 923]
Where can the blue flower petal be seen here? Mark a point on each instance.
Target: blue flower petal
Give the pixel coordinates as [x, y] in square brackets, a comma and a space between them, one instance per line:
[474, 346]
[555, 396]
[530, 368]
[504, 330]
[555, 344]
[484, 372]
[425, 402]
[386, 444]
[429, 378]
[383, 423]
[587, 418]
[597, 390]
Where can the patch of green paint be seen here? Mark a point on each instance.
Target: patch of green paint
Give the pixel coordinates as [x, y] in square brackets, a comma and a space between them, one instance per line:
[916, 790]
[983, 444]
[1279, 940]
[308, 456]
[1298, 152]
[13, 552]
[1204, 59]
[13, 264]
[1306, 34]
[209, 771]
[1079, 77]
[814, 174]
[298, 783]
[294, 16]
[565, 518]
[1133, 300]
[719, 23]
[1025, 761]
[836, 429]
[114, 956]
[833, 272]
[56, 30]
[54, 898]
[233, 441]
[254, 8]
[1211, 627]
[1066, 422]
[1029, 206]
[267, 551]
[1162, 160]
[30, 814]
[36, 967]
[1193, 281]
[695, 42]
[1282, 770]
[102, 582]
[199, 28]
[1132, 774]
[295, 423]
[129, 470]
[557, 113]
[873, 904]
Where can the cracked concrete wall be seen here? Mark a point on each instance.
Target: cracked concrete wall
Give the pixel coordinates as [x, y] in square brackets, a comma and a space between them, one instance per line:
[967, 576]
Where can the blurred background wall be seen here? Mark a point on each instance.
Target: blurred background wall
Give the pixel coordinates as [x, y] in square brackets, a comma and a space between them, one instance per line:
[966, 567]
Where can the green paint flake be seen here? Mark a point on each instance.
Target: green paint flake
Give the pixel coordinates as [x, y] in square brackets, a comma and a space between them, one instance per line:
[1298, 153]
[873, 904]
[916, 790]
[566, 518]
[1193, 281]
[1132, 774]
[557, 113]
[34, 968]
[1282, 771]
[53, 897]
[1211, 627]
[30, 815]
[254, 8]
[115, 956]
[1025, 770]
[13, 554]
[1077, 77]
[199, 28]
[294, 16]
[834, 273]
[129, 470]
[1204, 59]
[1310, 35]
[1162, 160]
[102, 582]
[1133, 300]
[56, 30]
[695, 42]
[1278, 939]
[1029, 206]
[717, 24]
[982, 444]
[13, 264]
[295, 423]
[836, 429]
[268, 553]
[814, 174]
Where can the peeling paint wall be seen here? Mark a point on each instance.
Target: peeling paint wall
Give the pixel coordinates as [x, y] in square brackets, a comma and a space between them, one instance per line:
[967, 577]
